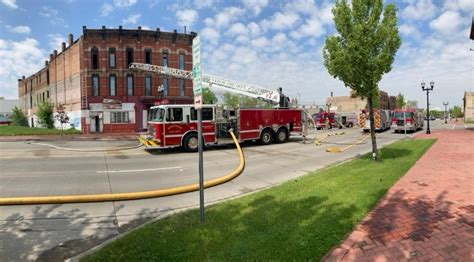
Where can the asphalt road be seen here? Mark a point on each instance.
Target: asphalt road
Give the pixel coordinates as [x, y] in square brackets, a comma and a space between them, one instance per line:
[55, 232]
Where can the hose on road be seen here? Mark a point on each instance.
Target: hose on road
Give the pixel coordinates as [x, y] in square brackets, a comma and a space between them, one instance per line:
[131, 195]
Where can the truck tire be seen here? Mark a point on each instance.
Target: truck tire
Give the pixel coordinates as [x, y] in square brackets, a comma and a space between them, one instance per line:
[350, 125]
[190, 143]
[281, 135]
[266, 137]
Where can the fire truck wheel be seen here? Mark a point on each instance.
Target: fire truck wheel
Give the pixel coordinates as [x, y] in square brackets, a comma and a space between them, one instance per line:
[350, 125]
[266, 137]
[282, 135]
[190, 143]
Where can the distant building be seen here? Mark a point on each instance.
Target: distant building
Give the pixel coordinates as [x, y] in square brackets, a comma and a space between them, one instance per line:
[6, 108]
[468, 106]
[355, 104]
[90, 79]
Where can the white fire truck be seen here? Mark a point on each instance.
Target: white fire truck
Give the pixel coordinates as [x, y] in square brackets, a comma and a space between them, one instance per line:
[176, 125]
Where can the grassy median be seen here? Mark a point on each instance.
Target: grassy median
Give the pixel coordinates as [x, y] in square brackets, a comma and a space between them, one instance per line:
[33, 131]
[298, 220]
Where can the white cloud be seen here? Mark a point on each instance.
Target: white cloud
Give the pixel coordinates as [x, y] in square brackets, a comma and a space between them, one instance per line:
[254, 29]
[210, 35]
[279, 39]
[20, 29]
[55, 41]
[10, 3]
[16, 59]
[312, 27]
[447, 23]
[255, 5]
[422, 10]
[47, 11]
[132, 19]
[459, 5]
[186, 17]
[410, 31]
[228, 15]
[237, 29]
[281, 21]
[260, 42]
[124, 3]
[301, 6]
[106, 9]
[204, 3]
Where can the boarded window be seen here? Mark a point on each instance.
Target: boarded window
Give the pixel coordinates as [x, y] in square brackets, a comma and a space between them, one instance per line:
[95, 85]
[130, 85]
[148, 85]
[113, 85]
[95, 58]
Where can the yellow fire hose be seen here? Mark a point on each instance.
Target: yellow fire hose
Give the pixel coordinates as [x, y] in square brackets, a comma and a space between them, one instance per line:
[130, 195]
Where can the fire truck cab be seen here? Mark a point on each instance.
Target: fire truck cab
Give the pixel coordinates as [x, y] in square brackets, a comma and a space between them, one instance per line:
[176, 125]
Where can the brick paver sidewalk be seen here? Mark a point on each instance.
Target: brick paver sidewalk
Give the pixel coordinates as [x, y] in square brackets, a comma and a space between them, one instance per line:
[428, 215]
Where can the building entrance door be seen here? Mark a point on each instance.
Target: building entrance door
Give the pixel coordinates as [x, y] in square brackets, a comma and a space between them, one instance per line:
[96, 123]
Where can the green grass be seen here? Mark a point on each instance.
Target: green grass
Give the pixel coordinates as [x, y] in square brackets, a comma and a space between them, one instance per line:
[298, 220]
[26, 131]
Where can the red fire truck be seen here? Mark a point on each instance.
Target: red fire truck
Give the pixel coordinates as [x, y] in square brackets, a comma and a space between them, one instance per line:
[324, 120]
[176, 125]
[410, 119]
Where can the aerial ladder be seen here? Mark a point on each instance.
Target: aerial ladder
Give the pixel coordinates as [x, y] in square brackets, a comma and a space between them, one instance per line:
[260, 93]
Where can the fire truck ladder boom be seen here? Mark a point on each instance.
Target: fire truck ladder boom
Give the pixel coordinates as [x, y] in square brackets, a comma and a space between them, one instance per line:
[264, 94]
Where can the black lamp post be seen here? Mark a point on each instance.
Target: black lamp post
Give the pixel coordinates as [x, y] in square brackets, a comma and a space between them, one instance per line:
[329, 107]
[445, 112]
[427, 89]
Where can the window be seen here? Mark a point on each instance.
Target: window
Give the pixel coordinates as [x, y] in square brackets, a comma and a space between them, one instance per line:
[130, 85]
[165, 80]
[148, 56]
[112, 85]
[112, 58]
[174, 115]
[148, 85]
[95, 58]
[118, 117]
[181, 81]
[165, 59]
[47, 77]
[165, 87]
[47, 94]
[207, 114]
[95, 85]
[43, 97]
[129, 56]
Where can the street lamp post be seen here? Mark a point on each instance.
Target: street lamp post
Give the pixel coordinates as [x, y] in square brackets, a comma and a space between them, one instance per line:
[427, 89]
[329, 107]
[445, 112]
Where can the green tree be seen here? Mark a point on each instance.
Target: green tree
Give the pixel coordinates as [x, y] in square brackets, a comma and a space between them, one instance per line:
[208, 97]
[45, 114]
[18, 117]
[412, 104]
[400, 100]
[364, 49]
[231, 100]
[456, 112]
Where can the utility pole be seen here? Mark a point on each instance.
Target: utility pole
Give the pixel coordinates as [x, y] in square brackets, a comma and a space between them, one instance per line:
[445, 112]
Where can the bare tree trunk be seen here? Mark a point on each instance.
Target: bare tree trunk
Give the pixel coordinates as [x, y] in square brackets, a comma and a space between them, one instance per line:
[372, 128]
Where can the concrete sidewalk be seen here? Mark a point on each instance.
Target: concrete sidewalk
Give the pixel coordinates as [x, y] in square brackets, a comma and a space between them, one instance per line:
[78, 137]
[428, 215]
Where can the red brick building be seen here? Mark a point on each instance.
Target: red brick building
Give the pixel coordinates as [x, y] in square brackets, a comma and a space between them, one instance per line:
[90, 80]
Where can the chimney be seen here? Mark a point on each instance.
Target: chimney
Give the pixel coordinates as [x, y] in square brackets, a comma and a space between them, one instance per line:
[51, 57]
[70, 40]
[120, 27]
[139, 28]
[332, 93]
[46, 63]
[23, 77]
[103, 27]
[55, 52]
[63, 46]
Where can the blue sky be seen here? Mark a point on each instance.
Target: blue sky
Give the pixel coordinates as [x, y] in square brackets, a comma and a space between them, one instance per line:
[266, 42]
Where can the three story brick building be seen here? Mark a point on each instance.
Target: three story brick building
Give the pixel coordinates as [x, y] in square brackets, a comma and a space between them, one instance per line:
[90, 80]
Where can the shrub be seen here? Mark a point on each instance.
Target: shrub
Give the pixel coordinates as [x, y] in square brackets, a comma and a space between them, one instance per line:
[18, 117]
[45, 115]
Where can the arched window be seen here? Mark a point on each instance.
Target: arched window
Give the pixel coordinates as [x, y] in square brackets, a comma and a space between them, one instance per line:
[130, 85]
[129, 52]
[113, 85]
[95, 85]
[148, 56]
[181, 81]
[112, 58]
[148, 85]
[95, 58]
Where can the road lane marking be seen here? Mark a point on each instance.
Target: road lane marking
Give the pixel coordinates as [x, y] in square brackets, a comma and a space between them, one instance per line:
[139, 170]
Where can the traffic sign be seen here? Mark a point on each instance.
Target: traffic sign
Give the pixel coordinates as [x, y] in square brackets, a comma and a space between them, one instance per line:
[197, 79]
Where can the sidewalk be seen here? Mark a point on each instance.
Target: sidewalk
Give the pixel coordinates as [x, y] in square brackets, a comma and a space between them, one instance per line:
[79, 137]
[428, 215]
